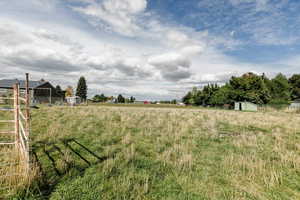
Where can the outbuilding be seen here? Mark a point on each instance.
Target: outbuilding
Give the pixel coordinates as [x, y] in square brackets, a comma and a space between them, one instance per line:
[245, 106]
[295, 105]
[72, 101]
[40, 91]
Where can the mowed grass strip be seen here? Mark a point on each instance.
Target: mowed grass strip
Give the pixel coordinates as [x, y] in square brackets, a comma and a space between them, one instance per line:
[96, 152]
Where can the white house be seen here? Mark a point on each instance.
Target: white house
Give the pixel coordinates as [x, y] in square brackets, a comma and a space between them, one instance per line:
[72, 101]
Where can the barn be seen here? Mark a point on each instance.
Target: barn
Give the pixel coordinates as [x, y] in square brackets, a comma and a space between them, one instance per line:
[40, 91]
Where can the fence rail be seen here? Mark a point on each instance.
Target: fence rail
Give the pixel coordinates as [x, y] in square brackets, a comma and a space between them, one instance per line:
[6, 98]
[7, 121]
[7, 109]
[7, 143]
[7, 132]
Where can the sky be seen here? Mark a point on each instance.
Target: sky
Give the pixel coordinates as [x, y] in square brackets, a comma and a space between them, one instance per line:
[150, 49]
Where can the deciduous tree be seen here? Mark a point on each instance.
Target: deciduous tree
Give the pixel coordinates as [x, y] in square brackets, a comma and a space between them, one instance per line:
[69, 91]
[295, 86]
[280, 89]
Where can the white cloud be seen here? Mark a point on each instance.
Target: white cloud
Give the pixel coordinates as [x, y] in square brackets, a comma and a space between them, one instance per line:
[177, 39]
[172, 66]
[184, 43]
[192, 50]
[120, 16]
[260, 5]
[169, 61]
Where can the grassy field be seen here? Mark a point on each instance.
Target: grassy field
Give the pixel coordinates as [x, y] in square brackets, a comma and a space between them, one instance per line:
[108, 152]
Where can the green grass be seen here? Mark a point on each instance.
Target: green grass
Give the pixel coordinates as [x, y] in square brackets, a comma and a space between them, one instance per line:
[118, 152]
[133, 105]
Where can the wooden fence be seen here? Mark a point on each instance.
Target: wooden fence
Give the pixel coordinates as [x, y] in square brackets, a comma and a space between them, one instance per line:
[20, 134]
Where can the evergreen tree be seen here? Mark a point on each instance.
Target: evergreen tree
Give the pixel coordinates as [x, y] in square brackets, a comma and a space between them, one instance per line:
[120, 99]
[187, 98]
[81, 90]
[132, 99]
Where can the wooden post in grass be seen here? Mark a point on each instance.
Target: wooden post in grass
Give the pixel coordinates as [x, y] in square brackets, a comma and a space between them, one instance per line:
[27, 104]
[27, 120]
[17, 117]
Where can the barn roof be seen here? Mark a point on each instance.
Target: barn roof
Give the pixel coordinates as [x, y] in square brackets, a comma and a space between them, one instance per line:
[8, 83]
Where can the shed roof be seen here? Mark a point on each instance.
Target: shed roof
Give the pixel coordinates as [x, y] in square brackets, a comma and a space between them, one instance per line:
[8, 83]
[295, 102]
[245, 102]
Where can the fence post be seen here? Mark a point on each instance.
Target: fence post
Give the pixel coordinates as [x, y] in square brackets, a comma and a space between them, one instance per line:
[16, 111]
[27, 120]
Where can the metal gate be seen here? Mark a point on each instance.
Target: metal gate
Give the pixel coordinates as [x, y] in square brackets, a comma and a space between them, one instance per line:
[14, 138]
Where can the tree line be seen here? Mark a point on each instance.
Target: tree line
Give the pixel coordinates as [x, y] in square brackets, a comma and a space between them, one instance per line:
[81, 91]
[119, 99]
[250, 87]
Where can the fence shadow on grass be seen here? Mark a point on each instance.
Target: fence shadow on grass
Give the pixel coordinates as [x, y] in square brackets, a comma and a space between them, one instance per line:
[54, 154]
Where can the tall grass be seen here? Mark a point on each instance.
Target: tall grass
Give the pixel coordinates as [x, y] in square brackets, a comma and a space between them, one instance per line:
[102, 152]
[13, 175]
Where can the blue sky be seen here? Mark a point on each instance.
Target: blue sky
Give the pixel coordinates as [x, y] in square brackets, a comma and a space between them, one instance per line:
[152, 49]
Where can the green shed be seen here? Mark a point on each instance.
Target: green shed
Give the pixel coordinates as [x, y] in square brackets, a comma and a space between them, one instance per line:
[245, 106]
